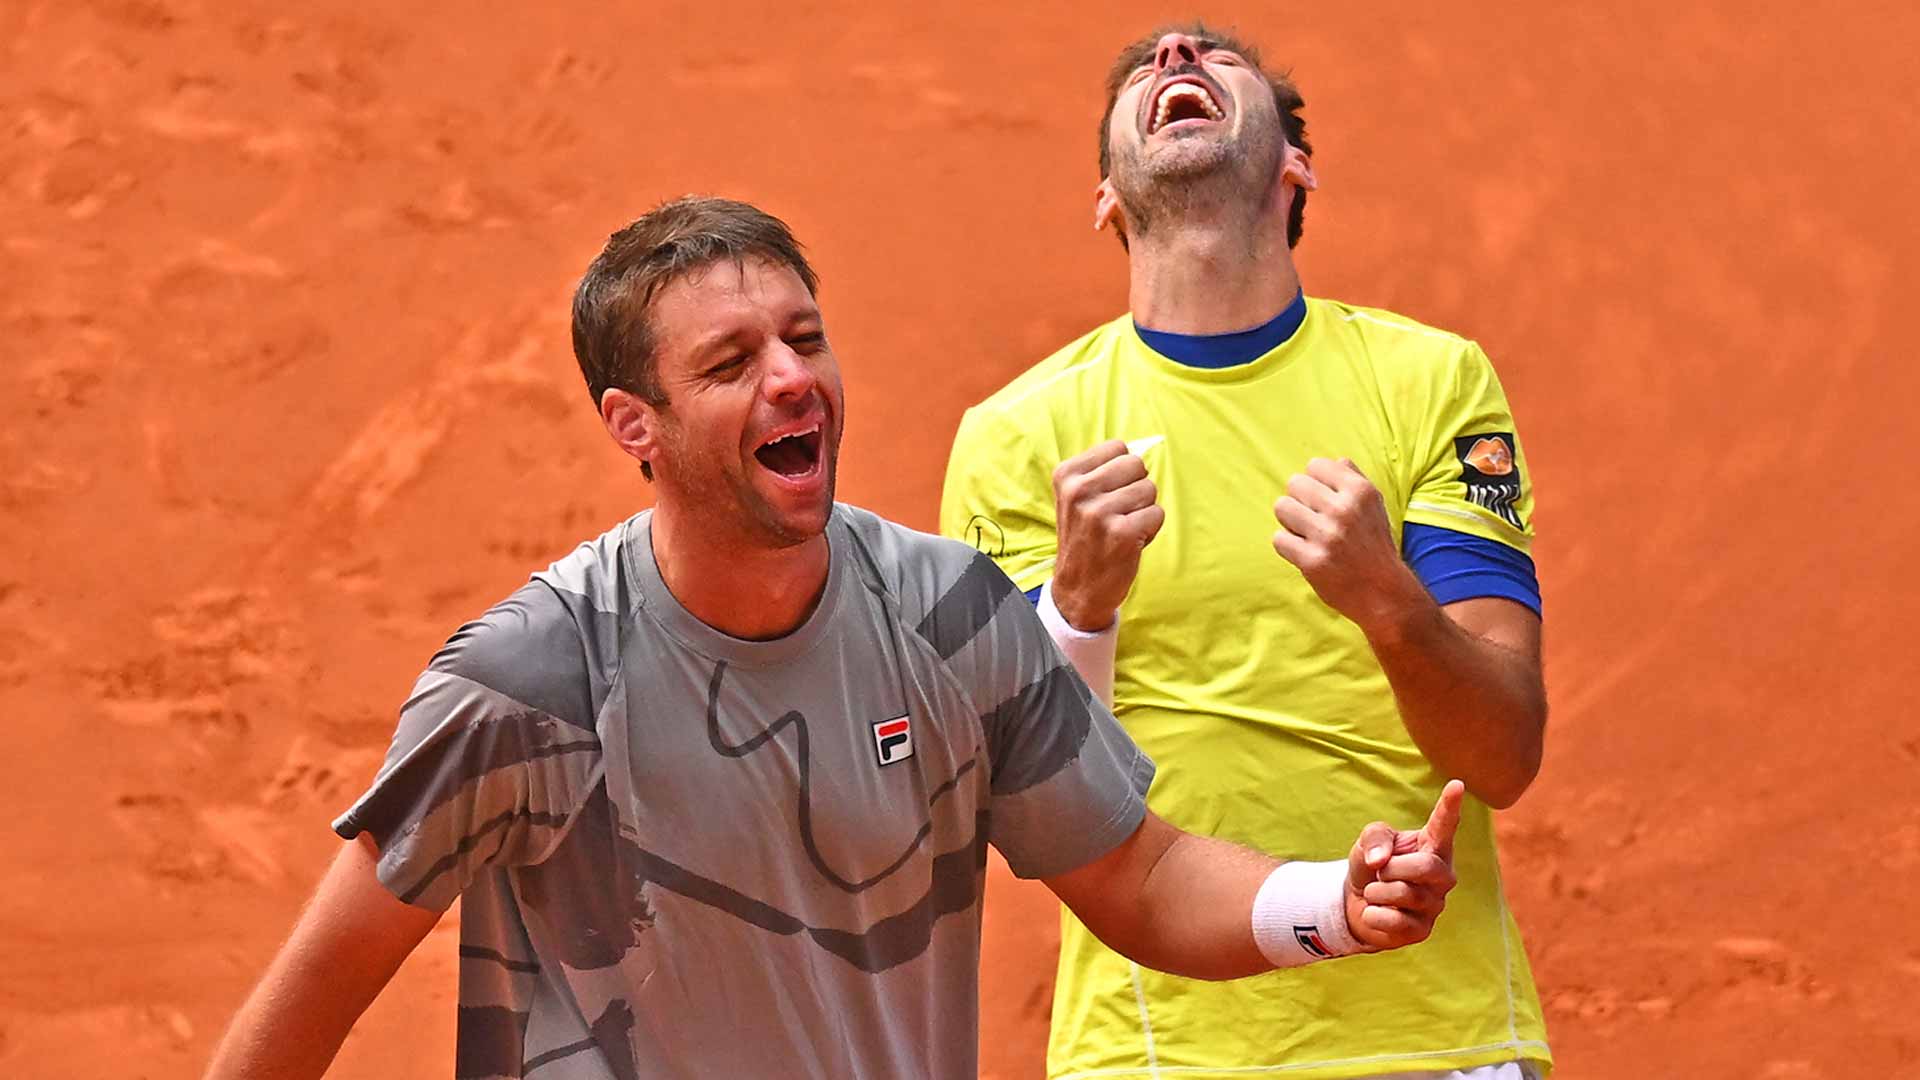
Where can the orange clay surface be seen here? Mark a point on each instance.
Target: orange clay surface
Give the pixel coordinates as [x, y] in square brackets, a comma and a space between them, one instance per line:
[286, 395]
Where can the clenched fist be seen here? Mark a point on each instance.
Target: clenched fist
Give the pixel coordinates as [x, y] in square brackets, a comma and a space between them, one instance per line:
[1335, 529]
[1105, 514]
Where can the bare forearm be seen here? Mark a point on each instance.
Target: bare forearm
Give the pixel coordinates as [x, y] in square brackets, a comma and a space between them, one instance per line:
[1193, 914]
[282, 1034]
[1475, 707]
[1467, 677]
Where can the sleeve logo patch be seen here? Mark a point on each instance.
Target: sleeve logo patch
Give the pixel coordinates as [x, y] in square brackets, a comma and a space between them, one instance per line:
[1490, 455]
[893, 740]
[1492, 473]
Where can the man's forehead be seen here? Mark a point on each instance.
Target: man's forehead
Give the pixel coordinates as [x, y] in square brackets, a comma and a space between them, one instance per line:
[750, 279]
[718, 301]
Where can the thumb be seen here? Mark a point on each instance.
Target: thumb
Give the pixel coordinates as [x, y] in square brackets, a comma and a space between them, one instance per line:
[1369, 854]
[1437, 835]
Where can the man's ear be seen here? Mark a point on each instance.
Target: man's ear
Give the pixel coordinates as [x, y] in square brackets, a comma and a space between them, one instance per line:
[1106, 208]
[633, 424]
[1296, 168]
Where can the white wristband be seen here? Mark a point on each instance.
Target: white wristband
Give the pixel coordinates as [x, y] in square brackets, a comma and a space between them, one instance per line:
[1090, 653]
[1300, 914]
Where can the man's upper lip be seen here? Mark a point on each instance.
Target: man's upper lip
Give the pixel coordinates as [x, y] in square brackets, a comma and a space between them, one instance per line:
[1160, 87]
[814, 419]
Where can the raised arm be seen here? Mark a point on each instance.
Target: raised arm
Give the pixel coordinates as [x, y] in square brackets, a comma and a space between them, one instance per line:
[1207, 909]
[1106, 513]
[1466, 677]
[347, 944]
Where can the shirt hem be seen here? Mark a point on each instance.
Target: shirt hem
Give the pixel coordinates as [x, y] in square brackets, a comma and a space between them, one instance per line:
[1459, 1058]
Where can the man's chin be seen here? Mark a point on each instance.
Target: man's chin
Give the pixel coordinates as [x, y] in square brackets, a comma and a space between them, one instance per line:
[1188, 158]
[791, 519]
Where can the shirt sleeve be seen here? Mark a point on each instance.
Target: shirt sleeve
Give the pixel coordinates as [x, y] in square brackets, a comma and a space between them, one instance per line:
[1067, 783]
[1470, 472]
[998, 497]
[1456, 566]
[492, 758]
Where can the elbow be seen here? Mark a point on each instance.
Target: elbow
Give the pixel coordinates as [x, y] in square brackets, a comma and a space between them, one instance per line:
[1504, 795]
[1503, 791]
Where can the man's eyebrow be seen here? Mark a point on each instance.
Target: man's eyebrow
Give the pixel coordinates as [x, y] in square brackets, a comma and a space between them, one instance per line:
[713, 341]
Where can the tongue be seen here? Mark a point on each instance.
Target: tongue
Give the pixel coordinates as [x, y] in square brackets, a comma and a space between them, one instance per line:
[788, 457]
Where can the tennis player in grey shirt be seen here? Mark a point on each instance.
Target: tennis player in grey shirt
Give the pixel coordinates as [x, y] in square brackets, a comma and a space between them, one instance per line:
[715, 790]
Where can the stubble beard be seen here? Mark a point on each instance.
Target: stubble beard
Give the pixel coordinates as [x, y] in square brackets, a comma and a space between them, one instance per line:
[721, 494]
[1193, 174]
[782, 530]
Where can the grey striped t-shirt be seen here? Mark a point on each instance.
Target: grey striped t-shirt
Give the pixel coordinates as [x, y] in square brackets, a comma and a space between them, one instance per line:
[683, 854]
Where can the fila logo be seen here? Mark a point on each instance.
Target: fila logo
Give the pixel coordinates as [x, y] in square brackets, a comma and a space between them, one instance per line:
[1309, 939]
[893, 740]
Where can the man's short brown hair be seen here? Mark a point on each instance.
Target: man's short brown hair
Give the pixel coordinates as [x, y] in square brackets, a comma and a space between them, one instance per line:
[1286, 98]
[612, 327]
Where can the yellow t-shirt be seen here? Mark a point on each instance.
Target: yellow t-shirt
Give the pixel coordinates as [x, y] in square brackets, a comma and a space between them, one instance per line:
[1271, 720]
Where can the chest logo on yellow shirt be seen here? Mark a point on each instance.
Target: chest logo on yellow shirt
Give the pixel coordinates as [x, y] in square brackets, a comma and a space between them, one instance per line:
[1491, 472]
[893, 739]
[986, 536]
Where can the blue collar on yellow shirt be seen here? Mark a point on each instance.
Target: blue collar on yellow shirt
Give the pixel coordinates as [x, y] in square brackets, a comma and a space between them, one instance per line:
[1228, 350]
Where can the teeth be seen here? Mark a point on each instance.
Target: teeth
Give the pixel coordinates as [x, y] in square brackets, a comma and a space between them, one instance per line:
[1188, 90]
[794, 435]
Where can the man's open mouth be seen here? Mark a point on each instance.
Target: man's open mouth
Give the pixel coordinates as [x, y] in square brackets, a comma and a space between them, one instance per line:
[794, 454]
[1183, 99]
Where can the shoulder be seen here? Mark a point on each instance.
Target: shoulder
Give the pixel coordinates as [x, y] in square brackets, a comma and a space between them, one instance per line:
[911, 565]
[591, 575]
[1399, 349]
[553, 643]
[929, 577]
[1381, 329]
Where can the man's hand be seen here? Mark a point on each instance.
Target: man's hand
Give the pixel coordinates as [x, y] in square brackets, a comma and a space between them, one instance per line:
[1397, 882]
[1335, 529]
[1106, 515]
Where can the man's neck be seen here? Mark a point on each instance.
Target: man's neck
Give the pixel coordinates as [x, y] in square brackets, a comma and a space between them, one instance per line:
[748, 591]
[1211, 275]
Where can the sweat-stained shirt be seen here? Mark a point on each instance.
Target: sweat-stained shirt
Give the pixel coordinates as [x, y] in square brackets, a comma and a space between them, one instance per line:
[683, 854]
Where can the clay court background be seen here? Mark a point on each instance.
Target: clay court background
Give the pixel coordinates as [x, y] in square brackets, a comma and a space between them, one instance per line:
[287, 395]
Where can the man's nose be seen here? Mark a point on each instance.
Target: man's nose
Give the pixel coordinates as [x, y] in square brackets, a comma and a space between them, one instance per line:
[1175, 49]
[788, 374]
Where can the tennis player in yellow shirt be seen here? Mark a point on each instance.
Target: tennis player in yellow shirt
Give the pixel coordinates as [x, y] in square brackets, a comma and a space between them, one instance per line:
[1289, 539]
